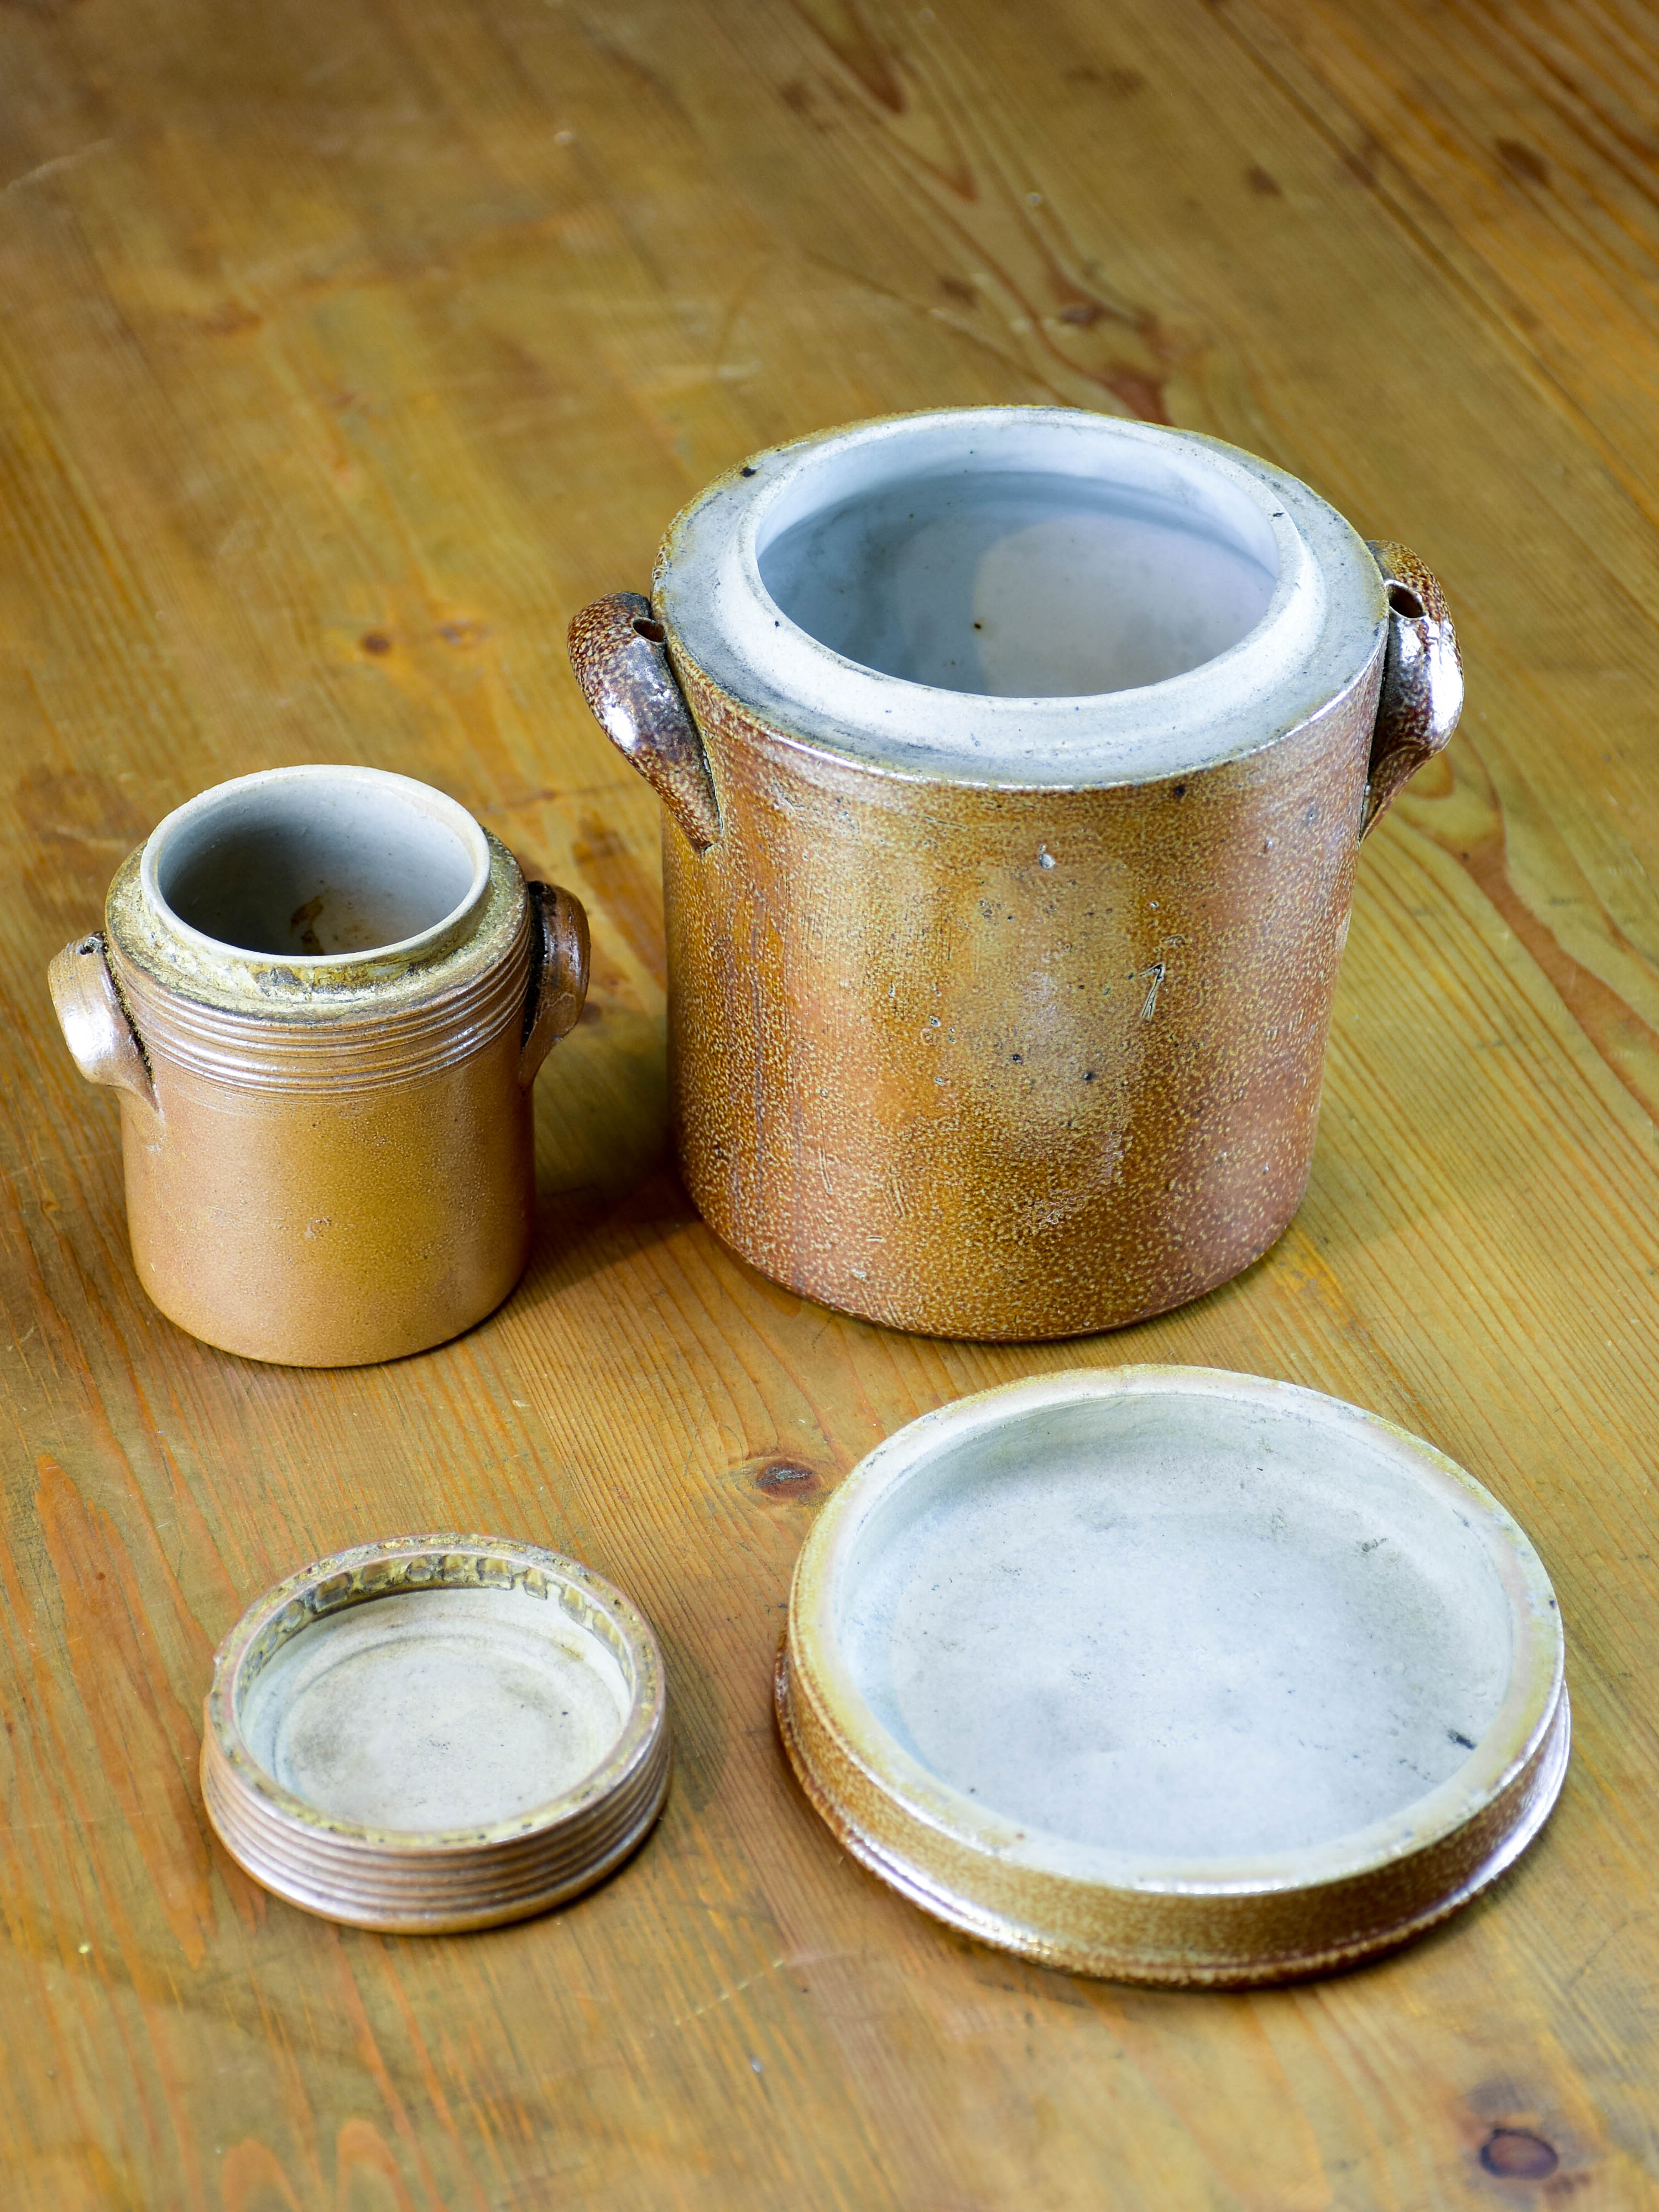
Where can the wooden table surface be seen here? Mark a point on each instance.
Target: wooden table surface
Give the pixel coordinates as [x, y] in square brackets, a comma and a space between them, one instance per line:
[348, 346]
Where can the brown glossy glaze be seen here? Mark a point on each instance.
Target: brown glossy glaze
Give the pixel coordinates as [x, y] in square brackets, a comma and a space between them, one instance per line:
[617, 651]
[996, 1062]
[343, 1174]
[1422, 678]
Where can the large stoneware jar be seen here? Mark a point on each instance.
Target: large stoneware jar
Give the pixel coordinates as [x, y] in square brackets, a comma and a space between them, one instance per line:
[1017, 761]
[323, 994]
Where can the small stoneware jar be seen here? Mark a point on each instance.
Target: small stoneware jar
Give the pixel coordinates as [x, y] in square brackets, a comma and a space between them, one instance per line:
[323, 994]
[1017, 761]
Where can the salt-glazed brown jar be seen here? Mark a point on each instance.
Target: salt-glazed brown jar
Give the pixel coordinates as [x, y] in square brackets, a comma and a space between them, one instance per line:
[324, 994]
[1017, 760]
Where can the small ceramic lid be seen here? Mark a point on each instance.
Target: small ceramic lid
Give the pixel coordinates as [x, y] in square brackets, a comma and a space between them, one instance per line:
[435, 1733]
[1174, 1675]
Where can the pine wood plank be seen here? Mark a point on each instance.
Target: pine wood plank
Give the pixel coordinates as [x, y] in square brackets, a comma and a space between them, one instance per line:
[347, 351]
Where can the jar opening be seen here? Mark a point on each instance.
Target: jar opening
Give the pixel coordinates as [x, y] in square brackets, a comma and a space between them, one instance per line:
[1149, 601]
[318, 864]
[1019, 582]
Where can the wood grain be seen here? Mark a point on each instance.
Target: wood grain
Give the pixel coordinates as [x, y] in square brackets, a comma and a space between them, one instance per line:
[346, 351]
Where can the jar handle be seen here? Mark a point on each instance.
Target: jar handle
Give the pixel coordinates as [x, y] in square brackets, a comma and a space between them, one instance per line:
[558, 974]
[1422, 691]
[96, 1026]
[620, 655]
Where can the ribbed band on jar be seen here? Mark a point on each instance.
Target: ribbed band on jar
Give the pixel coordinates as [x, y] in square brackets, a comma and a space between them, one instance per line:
[348, 1047]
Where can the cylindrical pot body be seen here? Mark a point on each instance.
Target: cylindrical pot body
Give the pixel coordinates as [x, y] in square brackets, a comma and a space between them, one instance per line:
[324, 993]
[1016, 816]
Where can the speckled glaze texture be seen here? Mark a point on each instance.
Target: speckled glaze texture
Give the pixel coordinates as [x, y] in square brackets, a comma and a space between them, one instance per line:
[982, 1061]
[992, 1063]
[335, 1169]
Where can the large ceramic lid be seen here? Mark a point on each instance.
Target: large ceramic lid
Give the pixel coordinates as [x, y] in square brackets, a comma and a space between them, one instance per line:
[1174, 1675]
[434, 1733]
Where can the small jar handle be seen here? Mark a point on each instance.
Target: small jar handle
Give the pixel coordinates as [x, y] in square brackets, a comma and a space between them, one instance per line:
[558, 974]
[619, 652]
[1422, 694]
[97, 1028]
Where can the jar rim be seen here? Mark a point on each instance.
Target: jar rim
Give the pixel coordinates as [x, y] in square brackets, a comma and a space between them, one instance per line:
[417, 801]
[1322, 623]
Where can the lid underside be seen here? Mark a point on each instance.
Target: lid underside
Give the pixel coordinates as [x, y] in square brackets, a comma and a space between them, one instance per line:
[437, 1732]
[1167, 1632]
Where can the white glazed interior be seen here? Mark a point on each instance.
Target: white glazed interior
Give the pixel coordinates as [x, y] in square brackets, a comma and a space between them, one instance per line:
[1020, 585]
[1165, 1624]
[448, 1708]
[1025, 595]
[312, 865]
